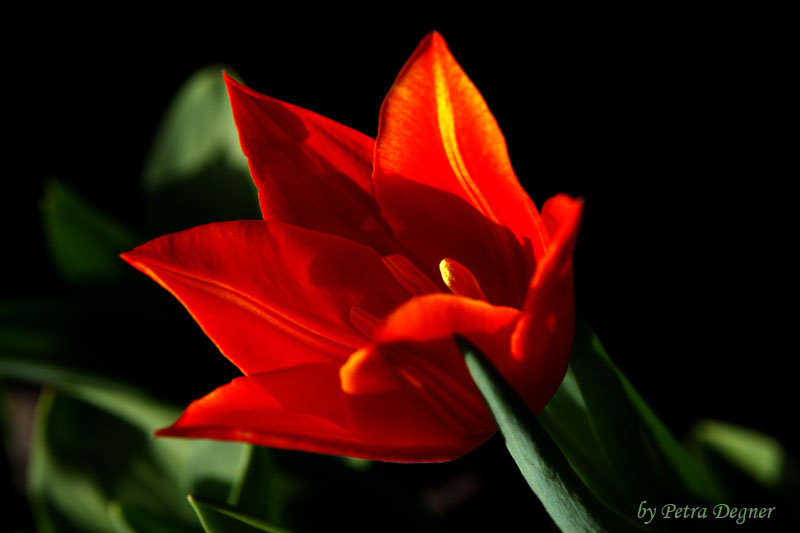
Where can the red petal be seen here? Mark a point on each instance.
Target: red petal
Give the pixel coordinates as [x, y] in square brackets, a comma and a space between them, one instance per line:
[304, 408]
[310, 171]
[414, 356]
[444, 181]
[425, 319]
[435, 316]
[543, 338]
[244, 409]
[271, 295]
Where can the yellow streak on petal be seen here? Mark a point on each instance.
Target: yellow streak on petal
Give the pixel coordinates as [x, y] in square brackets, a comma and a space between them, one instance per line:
[444, 108]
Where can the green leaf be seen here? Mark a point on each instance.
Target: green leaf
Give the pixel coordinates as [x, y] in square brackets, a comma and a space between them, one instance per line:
[647, 459]
[132, 520]
[280, 486]
[566, 498]
[196, 171]
[62, 342]
[217, 517]
[84, 242]
[754, 469]
[760, 456]
[95, 465]
[568, 424]
[257, 486]
[54, 342]
[197, 128]
[31, 335]
[120, 522]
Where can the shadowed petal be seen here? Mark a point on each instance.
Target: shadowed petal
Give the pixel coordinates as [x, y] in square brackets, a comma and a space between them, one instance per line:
[310, 171]
[304, 408]
[439, 150]
[424, 319]
[543, 338]
[414, 354]
[271, 295]
[434, 316]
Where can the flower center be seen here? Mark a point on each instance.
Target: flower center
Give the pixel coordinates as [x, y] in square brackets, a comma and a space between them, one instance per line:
[460, 280]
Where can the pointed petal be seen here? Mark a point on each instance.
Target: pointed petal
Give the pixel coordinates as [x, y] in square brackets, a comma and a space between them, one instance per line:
[269, 407]
[442, 173]
[310, 171]
[303, 408]
[271, 295]
[543, 338]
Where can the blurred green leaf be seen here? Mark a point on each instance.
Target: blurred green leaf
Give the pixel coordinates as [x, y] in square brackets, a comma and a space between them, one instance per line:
[197, 128]
[61, 342]
[96, 467]
[36, 339]
[280, 486]
[119, 521]
[752, 468]
[84, 242]
[257, 487]
[67, 340]
[196, 171]
[644, 455]
[757, 454]
[217, 517]
[136, 520]
[570, 504]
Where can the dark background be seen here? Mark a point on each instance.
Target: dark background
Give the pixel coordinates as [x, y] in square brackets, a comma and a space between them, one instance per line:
[673, 126]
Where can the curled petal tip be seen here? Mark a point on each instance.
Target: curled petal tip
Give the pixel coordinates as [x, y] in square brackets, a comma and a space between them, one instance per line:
[562, 215]
[364, 374]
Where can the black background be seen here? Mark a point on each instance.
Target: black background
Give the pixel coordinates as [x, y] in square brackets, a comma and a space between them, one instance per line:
[673, 126]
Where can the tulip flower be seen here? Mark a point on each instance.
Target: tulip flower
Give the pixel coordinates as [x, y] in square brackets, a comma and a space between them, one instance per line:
[340, 307]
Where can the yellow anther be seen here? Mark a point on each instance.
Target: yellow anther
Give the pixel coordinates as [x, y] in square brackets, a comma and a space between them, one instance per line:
[460, 280]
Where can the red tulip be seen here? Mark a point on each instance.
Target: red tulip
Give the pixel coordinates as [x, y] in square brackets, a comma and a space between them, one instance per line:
[340, 306]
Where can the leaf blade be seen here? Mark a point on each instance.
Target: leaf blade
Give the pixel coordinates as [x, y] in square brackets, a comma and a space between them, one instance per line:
[94, 452]
[568, 501]
[196, 161]
[650, 461]
[84, 242]
[218, 517]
